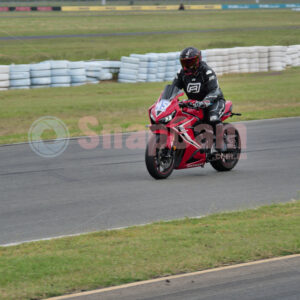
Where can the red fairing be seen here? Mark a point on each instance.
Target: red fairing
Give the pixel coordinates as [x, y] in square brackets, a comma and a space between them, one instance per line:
[228, 110]
[178, 130]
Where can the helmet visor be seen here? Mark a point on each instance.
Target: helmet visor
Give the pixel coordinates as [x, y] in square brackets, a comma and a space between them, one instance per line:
[190, 65]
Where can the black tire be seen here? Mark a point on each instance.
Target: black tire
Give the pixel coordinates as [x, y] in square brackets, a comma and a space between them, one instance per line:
[229, 158]
[152, 159]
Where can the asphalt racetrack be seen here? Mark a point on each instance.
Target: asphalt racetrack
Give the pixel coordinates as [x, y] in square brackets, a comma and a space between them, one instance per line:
[87, 190]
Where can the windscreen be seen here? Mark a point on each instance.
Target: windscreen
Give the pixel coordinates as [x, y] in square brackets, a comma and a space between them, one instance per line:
[170, 92]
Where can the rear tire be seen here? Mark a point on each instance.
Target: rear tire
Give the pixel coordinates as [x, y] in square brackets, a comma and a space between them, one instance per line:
[158, 165]
[229, 158]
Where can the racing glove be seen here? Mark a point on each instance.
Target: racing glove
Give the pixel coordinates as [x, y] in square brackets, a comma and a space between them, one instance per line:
[201, 104]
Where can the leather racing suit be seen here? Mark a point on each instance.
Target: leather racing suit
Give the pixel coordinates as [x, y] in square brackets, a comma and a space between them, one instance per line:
[203, 86]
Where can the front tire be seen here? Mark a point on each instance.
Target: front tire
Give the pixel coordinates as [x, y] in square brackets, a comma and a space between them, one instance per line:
[159, 159]
[227, 159]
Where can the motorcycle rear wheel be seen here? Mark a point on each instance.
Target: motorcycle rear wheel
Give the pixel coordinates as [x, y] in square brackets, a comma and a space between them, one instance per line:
[159, 161]
[228, 159]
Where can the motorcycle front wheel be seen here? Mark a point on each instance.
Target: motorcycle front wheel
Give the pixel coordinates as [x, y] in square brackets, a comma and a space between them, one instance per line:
[159, 159]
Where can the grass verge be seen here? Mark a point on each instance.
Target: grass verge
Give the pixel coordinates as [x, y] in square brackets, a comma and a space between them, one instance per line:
[123, 107]
[224, 29]
[107, 258]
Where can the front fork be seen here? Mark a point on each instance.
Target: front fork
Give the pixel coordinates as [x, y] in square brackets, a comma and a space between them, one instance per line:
[166, 136]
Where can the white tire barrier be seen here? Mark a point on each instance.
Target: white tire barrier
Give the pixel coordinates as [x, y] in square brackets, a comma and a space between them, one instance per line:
[40, 73]
[152, 67]
[127, 77]
[19, 75]
[77, 72]
[4, 84]
[60, 84]
[78, 79]
[94, 74]
[76, 65]
[60, 72]
[4, 76]
[41, 81]
[106, 76]
[40, 66]
[60, 80]
[57, 73]
[19, 68]
[92, 79]
[293, 54]
[59, 64]
[20, 82]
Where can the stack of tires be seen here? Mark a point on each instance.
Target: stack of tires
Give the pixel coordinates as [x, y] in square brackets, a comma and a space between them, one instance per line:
[4, 78]
[153, 59]
[172, 65]
[129, 69]
[77, 72]
[224, 54]
[253, 59]
[40, 75]
[92, 70]
[277, 58]
[112, 66]
[162, 66]
[217, 59]
[233, 61]
[293, 56]
[107, 69]
[244, 56]
[19, 77]
[263, 59]
[60, 73]
[142, 72]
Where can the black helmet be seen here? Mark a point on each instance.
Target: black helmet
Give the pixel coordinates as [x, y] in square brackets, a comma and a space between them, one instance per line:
[190, 60]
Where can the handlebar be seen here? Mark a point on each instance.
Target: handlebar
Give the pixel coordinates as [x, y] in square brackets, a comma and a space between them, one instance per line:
[182, 104]
[187, 104]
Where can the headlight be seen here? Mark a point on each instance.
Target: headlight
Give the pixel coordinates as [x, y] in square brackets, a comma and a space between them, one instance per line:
[168, 118]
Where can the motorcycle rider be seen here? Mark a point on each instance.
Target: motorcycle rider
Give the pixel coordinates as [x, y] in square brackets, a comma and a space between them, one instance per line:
[200, 83]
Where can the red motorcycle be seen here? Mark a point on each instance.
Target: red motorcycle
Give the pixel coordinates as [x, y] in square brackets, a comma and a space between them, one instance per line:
[183, 139]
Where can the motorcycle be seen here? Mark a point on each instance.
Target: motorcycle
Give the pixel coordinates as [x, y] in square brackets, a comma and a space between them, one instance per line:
[183, 139]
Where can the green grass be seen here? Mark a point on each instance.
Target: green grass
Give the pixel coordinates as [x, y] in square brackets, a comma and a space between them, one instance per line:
[123, 107]
[107, 258]
[25, 51]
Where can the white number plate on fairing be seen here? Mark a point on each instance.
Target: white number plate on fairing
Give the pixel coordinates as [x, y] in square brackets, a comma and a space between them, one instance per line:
[162, 106]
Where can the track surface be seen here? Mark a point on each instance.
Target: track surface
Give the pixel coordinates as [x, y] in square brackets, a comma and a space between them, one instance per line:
[34, 37]
[274, 280]
[87, 190]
